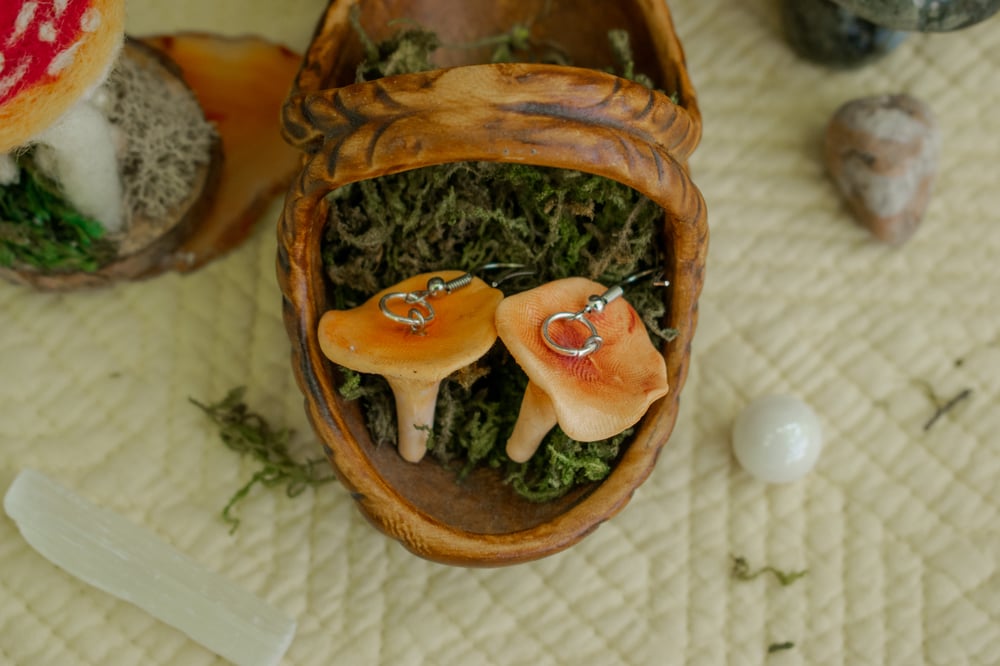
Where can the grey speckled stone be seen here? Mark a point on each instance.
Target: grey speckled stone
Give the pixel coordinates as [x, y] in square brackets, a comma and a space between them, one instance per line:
[824, 32]
[882, 153]
[923, 15]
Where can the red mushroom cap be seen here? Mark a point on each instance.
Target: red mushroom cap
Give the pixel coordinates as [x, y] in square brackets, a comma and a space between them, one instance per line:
[52, 53]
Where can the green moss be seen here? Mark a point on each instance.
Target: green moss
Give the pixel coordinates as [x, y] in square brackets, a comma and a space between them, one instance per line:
[407, 51]
[780, 647]
[462, 215]
[741, 571]
[249, 433]
[39, 229]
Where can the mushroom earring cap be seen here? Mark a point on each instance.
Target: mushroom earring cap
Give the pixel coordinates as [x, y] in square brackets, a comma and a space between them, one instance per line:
[414, 360]
[594, 396]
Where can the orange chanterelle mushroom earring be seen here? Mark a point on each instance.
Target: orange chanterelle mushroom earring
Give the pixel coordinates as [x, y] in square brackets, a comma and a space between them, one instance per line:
[591, 366]
[415, 334]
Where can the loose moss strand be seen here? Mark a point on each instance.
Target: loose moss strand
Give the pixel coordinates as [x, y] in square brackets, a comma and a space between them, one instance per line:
[741, 571]
[248, 433]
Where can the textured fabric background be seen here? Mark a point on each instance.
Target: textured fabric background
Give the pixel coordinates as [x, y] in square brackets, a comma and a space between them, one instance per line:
[899, 528]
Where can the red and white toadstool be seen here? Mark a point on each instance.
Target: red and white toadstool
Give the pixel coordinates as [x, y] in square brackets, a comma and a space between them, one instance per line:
[54, 55]
[139, 150]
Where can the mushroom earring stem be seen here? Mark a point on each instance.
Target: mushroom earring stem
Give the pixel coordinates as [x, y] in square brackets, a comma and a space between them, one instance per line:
[416, 403]
[537, 417]
[414, 362]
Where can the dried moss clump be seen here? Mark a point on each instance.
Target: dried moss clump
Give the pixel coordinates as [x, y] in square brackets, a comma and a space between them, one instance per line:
[461, 216]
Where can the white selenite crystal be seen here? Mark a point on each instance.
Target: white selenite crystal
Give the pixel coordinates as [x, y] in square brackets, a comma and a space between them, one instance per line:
[107, 551]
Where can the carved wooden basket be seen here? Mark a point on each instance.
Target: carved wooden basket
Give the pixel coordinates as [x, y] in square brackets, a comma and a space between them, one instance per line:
[566, 117]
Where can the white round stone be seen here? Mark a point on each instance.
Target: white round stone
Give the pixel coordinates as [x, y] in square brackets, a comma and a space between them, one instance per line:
[777, 438]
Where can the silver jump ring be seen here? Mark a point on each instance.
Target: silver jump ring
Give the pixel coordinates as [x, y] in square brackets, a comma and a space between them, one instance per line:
[414, 318]
[589, 346]
[436, 286]
[595, 304]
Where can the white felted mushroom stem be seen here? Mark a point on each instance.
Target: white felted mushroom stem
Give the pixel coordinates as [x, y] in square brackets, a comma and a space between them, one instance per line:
[536, 418]
[9, 171]
[79, 154]
[415, 405]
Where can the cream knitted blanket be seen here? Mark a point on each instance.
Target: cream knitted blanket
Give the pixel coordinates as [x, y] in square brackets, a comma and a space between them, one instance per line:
[898, 527]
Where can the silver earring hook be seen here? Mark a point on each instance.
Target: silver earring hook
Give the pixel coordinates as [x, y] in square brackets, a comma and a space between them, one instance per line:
[595, 303]
[658, 281]
[422, 312]
[513, 271]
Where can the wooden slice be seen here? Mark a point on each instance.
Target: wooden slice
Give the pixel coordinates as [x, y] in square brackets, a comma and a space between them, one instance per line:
[146, 240]
[240, 84]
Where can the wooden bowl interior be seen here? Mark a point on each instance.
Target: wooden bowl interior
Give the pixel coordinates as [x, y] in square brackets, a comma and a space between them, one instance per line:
[479, 519]
[479, 503]
[578, 27]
